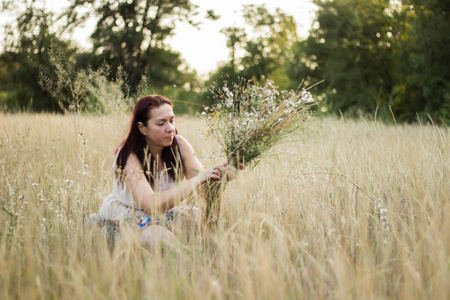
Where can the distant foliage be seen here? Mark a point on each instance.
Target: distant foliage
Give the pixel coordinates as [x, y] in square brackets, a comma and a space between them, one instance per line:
[375, 54]
[427, 70]
[131, 36]
[129, 39]
[266, 51]
[27, 47]
[377, 57]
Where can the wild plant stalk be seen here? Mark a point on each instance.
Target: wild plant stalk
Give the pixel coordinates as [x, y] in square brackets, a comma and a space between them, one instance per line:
[248, 120]
[105, 96]
[64, 85]
[214, 191]
[86, 90]
[73, 89]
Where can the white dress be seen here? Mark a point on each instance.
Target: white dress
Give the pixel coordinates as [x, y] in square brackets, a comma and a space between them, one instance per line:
[119, 206]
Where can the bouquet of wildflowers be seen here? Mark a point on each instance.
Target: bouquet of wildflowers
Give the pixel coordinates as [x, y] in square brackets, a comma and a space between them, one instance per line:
[248, 120]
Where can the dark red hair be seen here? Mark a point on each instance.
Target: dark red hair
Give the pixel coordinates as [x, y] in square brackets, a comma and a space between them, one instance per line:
[135, 142]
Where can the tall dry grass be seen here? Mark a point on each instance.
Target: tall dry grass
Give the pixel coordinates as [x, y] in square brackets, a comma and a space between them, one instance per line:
[358, 210]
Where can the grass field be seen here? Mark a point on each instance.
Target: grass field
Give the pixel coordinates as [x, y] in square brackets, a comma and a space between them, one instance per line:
[356, 209]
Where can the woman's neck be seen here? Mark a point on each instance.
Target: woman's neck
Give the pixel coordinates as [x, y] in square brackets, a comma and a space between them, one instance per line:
[156, 152]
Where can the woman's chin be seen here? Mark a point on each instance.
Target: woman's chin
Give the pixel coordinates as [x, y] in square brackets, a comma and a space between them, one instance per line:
[168, 142]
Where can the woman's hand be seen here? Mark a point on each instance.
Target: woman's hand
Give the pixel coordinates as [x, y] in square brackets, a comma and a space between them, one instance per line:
[215, 172]
[229, 171]
[223, 170]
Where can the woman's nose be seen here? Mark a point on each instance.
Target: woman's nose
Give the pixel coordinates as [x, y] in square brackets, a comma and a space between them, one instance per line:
[170, 127]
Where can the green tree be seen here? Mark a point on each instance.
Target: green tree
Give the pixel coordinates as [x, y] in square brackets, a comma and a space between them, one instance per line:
[27, 44]
[379, 55]
[425, 89]
[267, 51]
[350, 47]
[269, 54]
[235, 39]
[129, 36]
[132, 34]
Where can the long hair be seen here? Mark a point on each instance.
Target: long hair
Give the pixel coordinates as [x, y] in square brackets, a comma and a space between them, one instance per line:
[135, 142]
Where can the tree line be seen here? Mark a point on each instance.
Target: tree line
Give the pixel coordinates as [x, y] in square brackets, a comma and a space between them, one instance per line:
[372, 57]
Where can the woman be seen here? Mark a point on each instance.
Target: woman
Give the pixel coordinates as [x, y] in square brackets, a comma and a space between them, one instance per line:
[149, 166]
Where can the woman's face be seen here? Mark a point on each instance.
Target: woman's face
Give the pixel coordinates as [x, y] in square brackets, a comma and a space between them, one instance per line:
[160, 128]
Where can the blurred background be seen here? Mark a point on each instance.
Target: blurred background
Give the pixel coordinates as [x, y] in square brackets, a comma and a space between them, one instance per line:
[376, 58]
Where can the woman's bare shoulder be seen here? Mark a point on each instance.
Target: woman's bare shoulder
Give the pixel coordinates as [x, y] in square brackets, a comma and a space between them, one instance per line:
[184, 145]
[133, 162]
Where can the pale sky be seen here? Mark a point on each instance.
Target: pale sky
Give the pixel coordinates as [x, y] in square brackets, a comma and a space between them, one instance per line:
[205, 47]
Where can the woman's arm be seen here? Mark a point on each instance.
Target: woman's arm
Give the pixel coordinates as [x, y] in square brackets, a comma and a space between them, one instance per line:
[157, 203]
[191, 164]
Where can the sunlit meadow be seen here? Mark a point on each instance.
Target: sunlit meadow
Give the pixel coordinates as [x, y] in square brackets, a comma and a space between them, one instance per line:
[353, 209]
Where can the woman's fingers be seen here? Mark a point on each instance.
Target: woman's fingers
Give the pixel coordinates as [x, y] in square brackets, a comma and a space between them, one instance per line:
[214, 172]
[221, 170]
